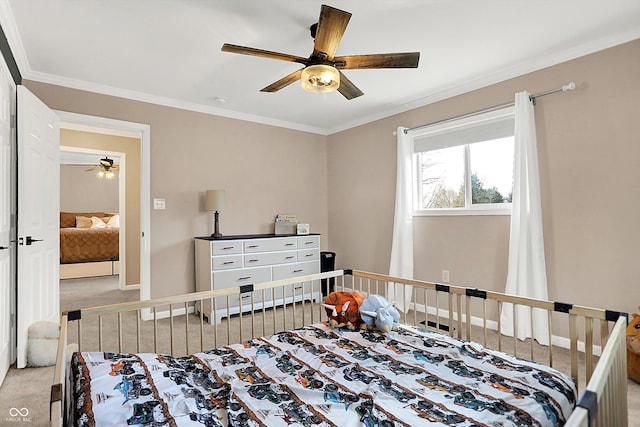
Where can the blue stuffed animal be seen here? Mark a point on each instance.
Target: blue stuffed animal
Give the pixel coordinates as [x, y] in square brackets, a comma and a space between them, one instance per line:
[379, 313]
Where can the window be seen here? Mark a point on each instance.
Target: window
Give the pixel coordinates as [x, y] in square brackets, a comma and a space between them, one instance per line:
[466, 166]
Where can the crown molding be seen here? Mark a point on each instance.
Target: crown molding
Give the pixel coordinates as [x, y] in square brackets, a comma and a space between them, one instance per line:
[534, 64]
[158, 100]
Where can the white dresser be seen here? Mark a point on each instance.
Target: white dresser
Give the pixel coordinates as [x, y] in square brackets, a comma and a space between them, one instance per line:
[248, 259]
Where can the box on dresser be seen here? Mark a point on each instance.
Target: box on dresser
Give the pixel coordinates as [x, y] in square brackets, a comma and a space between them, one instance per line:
[243, 260]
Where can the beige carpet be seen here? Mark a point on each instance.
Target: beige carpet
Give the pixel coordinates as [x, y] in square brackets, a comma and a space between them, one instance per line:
[29, 388]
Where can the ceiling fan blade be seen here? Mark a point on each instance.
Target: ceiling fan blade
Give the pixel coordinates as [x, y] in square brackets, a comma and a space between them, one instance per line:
[347, 88]
[331, 26]
[379, 60]
[283, 82]
[243, 50]
[115, 167]
[92, 169]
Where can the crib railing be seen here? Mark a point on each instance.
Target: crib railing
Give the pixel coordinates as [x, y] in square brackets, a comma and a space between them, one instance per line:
[474, 315]
[604, 400]
[174, 325]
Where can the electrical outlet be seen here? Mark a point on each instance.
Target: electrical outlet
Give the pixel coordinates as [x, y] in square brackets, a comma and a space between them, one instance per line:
[445, 276]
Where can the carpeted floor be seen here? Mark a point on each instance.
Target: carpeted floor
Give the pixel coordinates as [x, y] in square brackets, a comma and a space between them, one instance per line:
[27, 390]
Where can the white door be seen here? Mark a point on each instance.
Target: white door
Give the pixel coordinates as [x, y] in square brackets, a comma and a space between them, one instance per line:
[38, 216]
[7, 97]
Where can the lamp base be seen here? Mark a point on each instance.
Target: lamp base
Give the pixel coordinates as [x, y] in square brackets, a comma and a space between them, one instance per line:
[216, 231]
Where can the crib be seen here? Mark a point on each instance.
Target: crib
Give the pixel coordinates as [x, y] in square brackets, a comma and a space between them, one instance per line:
[589, 348]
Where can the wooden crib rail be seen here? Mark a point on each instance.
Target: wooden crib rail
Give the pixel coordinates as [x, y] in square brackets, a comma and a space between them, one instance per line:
[277, 297]
[604, 401]
[58, 399]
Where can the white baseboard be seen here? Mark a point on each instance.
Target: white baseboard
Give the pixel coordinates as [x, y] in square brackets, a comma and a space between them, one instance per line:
[147, 314]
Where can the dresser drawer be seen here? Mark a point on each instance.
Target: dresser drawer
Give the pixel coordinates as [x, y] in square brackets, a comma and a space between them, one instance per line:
[269, 245]
[270, 258]
[292, 270]
[226, 262]
[234, 302]
[308, 242]
[226, 247]
[308, 255]
[228, 278]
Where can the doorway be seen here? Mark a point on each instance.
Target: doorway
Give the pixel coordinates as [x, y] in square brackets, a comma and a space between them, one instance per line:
[83, 190]
[104, 126]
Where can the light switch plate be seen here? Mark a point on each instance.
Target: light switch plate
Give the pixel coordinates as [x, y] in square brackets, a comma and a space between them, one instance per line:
[159, 204]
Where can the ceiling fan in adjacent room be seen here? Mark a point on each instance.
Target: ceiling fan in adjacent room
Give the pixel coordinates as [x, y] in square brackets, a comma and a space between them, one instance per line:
[105, 168]
[322, 71]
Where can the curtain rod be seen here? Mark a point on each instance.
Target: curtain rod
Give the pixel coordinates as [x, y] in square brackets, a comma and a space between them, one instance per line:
[569, 86]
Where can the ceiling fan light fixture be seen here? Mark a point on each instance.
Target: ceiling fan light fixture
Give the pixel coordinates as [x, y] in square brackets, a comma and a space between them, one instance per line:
[105, 169]
[320, 78]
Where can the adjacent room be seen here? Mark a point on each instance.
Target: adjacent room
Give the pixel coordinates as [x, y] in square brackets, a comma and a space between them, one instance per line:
[484, 146]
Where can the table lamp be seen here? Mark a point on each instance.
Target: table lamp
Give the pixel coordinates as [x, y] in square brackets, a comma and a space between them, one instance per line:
[215, 200]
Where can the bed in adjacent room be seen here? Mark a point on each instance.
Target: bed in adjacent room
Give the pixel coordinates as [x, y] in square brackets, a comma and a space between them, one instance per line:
[89, 240]
[277, 363]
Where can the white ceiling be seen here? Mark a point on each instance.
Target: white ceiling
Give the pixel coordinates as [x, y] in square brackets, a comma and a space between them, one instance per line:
[168, 51]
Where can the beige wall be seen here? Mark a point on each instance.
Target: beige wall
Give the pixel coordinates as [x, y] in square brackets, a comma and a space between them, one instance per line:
[265, 171]
[589, 146]
[81, 191]
[131, 168]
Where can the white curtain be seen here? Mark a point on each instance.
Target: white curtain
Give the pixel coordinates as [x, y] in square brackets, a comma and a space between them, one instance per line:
[401, 264]
[527, 274]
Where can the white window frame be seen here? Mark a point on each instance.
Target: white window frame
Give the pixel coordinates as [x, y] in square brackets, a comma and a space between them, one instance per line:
[431, 133]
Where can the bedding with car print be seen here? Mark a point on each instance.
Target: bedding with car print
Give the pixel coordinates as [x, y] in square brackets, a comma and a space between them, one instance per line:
[318, 376]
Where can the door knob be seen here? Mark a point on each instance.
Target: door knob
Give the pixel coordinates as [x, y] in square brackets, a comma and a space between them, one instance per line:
[2, 248]
[30, 240]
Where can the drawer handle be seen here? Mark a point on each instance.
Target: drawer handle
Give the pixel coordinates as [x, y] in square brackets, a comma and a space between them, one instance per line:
[244, 278]
[288, 244]
[309, 243]
[226, 248]
[298, 287]
[298, 271]
[253, 246]
[289, 257]
[308, 255]
[253, 260]
[228, 262]
[245, 296]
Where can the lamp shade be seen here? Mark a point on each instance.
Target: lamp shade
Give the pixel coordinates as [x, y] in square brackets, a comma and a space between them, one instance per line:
[215, 200]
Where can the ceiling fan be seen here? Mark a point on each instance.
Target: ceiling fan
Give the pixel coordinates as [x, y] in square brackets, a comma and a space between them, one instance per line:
[105, 168]
[322, 71]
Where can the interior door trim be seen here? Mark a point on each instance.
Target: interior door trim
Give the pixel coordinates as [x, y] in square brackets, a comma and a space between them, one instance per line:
[89, 123]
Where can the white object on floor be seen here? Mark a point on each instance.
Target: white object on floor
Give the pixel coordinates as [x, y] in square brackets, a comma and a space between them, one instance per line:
[42, 344]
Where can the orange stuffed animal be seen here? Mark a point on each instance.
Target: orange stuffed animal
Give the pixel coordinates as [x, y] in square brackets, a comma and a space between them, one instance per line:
[633, 348]
[343, 309]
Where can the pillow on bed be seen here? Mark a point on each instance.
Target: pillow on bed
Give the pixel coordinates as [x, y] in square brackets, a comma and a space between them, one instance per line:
[97, 222]
[83, 222]
[112, 222]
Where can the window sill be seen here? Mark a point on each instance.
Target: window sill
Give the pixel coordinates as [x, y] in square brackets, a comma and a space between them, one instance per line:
[465, 211]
